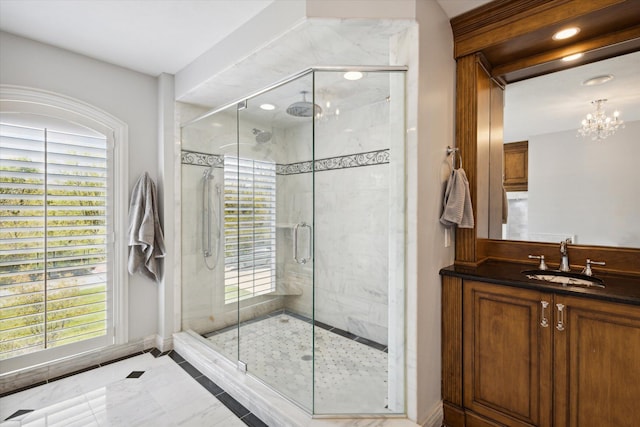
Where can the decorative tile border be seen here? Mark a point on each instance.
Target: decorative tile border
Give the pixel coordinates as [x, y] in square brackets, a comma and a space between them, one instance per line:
[294, 168]
[369, 158]
[201, 159]
[357, 160]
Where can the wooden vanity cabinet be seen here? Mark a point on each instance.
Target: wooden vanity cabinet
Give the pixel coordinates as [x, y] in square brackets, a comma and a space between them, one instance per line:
[597, 364]
[507, 364]
[532, 358]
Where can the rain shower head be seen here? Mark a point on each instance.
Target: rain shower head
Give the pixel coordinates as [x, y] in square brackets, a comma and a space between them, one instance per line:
[262, 136]
[304, 108]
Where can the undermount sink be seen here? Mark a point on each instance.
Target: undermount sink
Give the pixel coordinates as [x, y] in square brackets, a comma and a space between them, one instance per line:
[565, 278]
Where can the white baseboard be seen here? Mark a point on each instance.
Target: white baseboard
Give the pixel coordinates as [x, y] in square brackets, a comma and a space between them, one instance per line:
[163, 344]
[55, 368]
[435, 417]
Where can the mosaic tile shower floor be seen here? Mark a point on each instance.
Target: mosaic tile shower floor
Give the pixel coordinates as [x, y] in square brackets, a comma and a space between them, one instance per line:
[350, 377]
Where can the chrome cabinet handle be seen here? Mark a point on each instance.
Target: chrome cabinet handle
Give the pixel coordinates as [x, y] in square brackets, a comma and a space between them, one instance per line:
[298, 259]
[544, 322]
[560, 324]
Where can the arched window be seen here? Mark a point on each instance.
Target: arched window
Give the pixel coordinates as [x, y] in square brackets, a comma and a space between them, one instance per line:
[63, 205]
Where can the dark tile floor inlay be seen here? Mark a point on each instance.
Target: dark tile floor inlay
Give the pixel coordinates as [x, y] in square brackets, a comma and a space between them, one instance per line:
[227, 400]
[253, 421]
[135, 374]
[18, 413]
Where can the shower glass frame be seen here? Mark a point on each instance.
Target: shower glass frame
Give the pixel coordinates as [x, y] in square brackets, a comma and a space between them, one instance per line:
[244, 128]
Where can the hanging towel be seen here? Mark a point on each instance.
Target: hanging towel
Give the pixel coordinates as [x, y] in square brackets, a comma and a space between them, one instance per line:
[457, 201]
[146, 243]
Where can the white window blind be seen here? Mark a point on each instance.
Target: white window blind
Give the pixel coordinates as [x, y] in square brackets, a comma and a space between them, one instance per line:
[54, 253]
[250, 228]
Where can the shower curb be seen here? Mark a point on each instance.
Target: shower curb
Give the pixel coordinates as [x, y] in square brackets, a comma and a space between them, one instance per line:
[266, 404]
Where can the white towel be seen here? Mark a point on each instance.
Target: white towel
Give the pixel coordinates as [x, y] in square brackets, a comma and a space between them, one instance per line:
[146, 242]
[457, 201]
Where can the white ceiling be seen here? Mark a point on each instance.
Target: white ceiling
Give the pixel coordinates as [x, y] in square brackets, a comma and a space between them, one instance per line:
[558, 102]
[150, 36]
[156, 36]
[457, 7]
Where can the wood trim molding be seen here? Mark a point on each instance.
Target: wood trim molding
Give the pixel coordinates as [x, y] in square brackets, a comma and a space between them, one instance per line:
[619, 260]
[453, 416]
[491, 24]
[620, 42]
[494, 13]
[467, 93]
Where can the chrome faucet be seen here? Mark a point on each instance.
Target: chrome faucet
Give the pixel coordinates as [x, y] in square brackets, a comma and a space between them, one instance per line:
[564, 264]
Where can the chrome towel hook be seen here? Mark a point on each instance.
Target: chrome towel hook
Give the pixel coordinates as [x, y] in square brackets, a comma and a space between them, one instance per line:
[452, 151]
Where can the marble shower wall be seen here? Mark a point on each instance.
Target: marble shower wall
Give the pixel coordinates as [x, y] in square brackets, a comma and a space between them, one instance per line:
[351, 200]
[352, 205]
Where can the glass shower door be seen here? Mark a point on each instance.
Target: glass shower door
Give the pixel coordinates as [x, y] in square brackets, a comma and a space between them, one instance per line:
[209, 296]
[273, 175]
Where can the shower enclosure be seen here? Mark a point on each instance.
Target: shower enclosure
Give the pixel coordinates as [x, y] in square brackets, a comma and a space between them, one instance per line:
[293, 237]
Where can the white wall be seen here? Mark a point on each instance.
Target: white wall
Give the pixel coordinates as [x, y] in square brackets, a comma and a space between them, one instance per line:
[586, 188]
[130, 96]
[431, 129]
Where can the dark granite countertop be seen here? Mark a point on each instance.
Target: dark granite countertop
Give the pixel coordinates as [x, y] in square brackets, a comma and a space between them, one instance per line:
[618, 288]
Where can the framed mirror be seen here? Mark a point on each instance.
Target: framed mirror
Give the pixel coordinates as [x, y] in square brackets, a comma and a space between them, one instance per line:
[508, 41]
[572, 180]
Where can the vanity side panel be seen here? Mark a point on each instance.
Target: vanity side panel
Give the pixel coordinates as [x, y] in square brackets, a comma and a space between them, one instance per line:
[452, 342]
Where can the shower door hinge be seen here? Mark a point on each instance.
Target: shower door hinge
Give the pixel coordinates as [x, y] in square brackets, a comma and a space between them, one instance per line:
[242, 366]
[242, 105]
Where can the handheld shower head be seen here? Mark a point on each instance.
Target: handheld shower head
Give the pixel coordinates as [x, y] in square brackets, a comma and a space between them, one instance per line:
[262, 136]
[208, 174]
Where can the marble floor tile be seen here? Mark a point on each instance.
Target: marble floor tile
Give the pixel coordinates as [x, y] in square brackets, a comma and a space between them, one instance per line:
[159, 393]
[350, 377]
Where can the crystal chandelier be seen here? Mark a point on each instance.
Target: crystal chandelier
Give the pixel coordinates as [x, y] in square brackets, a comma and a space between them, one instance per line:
[598, 125]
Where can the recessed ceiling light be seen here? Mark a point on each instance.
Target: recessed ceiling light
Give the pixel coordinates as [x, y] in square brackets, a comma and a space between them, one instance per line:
[566, 33]
[268, 107]
[353, 75]
[598, 80]
[572, 57]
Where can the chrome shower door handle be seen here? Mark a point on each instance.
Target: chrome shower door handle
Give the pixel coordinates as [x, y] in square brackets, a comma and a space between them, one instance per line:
[298, 259]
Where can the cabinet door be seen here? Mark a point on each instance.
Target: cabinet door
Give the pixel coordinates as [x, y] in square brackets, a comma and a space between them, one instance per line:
[516, 166]
[597, 364]
[507, 354]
